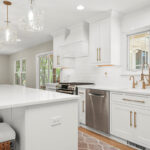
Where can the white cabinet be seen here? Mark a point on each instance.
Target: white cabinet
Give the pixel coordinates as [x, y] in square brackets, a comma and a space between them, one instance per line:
[104, 40]
[142, 133]
[58, 40]
[120, 121]
[99, 39]
[47, 125]
[130, 118]
[82, 106]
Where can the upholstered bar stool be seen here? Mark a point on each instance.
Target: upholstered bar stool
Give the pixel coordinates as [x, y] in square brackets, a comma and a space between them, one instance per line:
[7, 137]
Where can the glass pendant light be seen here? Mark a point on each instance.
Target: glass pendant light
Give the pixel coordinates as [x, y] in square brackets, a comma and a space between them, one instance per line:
[34, 19]
[8, 34]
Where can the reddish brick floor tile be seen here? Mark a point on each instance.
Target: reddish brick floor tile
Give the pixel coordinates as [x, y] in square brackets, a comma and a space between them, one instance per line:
[87, 142]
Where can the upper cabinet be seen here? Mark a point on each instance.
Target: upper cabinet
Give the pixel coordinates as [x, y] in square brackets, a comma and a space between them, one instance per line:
[58, 40]
[104, 40]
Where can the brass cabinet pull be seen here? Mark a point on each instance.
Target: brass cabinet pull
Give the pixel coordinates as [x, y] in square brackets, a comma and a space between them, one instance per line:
[99, 54]
[130, 118]
[135, 120]
[82, 106]
[136, 101]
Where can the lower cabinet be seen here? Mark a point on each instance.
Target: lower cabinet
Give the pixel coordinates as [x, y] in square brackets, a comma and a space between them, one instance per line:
[130, 121]
[51, 127]
[120, 121]
[142, 130]
[82, 106]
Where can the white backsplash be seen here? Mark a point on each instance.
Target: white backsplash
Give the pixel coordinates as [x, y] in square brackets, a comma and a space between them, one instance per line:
[86, 72]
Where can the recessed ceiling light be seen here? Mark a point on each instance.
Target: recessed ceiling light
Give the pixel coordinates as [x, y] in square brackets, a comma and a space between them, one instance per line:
[80, 7]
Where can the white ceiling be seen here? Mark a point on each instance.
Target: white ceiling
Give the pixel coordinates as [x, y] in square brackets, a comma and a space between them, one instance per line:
[59, 14]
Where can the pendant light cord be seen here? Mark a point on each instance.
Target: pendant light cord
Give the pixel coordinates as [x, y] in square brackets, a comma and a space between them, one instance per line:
[7, 3]
[7, 15]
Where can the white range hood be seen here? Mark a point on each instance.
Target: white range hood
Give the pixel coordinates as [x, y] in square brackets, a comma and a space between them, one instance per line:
[76, 43]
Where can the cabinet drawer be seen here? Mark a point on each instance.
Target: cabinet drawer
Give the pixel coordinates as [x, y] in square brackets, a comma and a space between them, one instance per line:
[131, 99]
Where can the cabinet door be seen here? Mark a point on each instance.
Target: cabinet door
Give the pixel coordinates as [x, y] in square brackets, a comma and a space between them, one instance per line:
[142, 127]
[52, 127]
[82, 107]
[122, 121]
[57, 54]
[56, 59]
[104, 40]
[100, 41]
[94, 42]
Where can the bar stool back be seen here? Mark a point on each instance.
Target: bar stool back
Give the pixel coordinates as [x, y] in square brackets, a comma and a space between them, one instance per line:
[7, 137]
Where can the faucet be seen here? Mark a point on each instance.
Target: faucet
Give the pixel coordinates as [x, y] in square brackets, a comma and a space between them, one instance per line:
[148, 84]
[142, 74]
[134, 83]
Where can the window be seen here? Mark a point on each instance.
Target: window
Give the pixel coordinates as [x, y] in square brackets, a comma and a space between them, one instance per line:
[20, 72]
[139, 50]
[47, 73]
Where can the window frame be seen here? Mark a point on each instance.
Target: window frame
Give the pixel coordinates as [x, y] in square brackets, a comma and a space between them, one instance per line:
[45, 55]
[38, 66]
[128, 50]
[124, 50]
[20, 72]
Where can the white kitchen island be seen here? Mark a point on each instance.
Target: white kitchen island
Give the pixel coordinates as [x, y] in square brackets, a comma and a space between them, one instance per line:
[43, 120]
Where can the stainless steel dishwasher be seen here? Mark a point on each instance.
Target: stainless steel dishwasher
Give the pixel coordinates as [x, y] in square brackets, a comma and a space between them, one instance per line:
[98, 110]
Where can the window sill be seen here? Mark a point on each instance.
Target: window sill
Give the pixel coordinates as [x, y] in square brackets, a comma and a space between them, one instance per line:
[135, 73]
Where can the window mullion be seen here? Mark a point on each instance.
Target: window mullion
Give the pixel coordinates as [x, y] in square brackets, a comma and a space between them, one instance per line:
[20, 71]
[48, 69]
[149, 51]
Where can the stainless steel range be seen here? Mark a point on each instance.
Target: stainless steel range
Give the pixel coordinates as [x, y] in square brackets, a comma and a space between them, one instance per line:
[70, 87]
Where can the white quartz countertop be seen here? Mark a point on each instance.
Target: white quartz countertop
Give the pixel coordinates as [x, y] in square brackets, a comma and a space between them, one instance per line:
[118, 89]
[19, 96]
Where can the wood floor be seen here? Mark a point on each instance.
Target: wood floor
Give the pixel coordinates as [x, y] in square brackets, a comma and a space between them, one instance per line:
[106, 140]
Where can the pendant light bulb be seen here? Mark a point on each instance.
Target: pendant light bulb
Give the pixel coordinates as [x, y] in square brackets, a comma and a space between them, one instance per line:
[30, 15]
[8, 34]
[34, 21]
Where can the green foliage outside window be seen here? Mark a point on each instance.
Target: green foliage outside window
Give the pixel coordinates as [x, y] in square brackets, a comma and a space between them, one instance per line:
[20, 74]
[47, 73]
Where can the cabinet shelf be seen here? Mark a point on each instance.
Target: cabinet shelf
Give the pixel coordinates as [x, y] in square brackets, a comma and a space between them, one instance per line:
[104, 65]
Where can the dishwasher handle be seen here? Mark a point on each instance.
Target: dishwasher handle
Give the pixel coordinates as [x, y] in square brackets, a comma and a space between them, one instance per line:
[96, 95]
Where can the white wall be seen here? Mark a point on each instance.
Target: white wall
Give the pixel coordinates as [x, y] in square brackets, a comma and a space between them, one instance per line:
[30, 56]
[86, 72]
[4, 69]
[135, 20]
